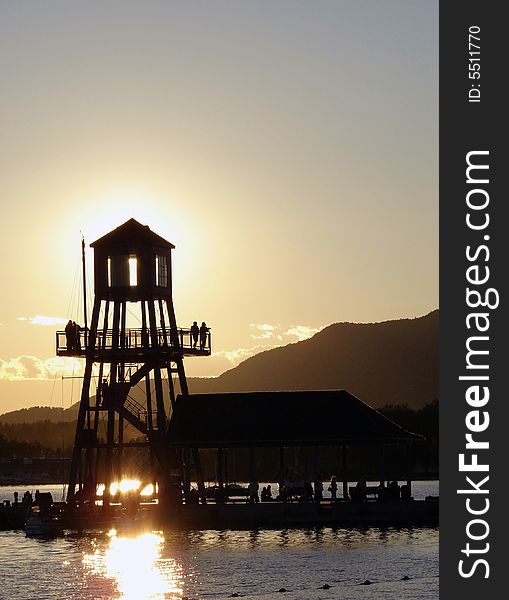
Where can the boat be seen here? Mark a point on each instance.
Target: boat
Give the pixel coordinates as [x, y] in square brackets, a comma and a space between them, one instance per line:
[231, 490]
[39, 524]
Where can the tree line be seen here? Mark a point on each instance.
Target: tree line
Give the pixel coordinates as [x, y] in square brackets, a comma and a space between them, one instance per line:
[47, 438]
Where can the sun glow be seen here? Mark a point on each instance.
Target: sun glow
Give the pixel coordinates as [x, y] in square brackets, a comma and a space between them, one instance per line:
[137, 567]
[148, 206]
[122, 487]
[148, 490]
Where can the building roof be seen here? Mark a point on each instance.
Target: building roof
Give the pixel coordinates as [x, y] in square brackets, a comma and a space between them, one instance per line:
[279, 419]
[131, 233]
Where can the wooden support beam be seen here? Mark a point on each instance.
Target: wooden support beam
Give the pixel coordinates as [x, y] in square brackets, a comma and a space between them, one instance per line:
[220, 479]
[410, 467]
[344, 469]
[199, 475]
[226, 467]
[175, 342]
[252, 464]
[381, 464]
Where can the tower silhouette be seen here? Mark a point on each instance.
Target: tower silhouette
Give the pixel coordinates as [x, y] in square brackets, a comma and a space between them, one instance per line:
[132, 274]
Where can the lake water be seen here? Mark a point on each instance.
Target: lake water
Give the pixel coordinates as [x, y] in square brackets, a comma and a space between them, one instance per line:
[219, 564]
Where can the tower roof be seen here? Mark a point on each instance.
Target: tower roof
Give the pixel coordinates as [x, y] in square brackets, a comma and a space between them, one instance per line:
[132, 233]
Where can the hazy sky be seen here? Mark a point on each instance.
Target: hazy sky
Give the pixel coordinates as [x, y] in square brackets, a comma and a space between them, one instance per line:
[288, 149]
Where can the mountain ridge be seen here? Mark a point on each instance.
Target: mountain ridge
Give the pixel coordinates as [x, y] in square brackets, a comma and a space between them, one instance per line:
[390, 362]
[393, 362]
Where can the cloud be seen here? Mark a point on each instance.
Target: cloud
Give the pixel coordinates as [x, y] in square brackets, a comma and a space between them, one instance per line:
[263, 327]
[44, 320]
[234, 357]
[31, 368]
[302, 332]
[265, 331]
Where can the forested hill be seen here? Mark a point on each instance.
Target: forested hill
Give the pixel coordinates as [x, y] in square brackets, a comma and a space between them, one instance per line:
[40, 413]
[393, 362]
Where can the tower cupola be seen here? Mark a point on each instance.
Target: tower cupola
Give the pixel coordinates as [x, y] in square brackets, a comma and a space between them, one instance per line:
[132, 263]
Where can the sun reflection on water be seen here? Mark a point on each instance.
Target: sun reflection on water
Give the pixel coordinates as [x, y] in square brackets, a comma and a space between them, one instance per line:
[137, 568]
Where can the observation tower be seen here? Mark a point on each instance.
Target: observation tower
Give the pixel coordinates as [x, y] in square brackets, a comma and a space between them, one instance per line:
[127, 369]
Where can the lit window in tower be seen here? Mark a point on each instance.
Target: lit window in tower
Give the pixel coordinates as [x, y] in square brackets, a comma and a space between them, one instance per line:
[133, 270]
[161, 271]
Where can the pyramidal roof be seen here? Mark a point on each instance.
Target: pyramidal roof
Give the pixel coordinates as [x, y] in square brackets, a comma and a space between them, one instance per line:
[131, 233]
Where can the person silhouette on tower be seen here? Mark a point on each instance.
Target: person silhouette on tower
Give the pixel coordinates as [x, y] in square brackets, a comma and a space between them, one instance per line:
[69, 336]
[203, 335]
[195, 333]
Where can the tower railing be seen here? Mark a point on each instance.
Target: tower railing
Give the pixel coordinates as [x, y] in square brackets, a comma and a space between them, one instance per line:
[136, 341]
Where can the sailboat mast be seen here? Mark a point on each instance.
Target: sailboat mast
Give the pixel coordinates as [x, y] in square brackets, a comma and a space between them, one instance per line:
[84, 289]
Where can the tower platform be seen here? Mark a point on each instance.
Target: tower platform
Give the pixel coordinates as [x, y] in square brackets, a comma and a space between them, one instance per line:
[136, 343]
